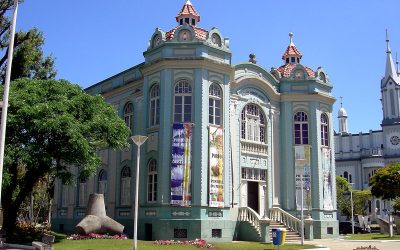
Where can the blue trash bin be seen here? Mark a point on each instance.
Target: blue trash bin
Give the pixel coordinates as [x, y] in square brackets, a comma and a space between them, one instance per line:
[276, 236]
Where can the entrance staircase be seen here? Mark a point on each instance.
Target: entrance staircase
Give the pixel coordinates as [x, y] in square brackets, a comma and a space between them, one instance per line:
[279, 219]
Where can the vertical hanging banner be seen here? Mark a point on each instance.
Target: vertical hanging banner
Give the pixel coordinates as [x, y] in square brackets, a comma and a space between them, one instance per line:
[327, 177]
[216, 165]
[181, 165]
[303, 173]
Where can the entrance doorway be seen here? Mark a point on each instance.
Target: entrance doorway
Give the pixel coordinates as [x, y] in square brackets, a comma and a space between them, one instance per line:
[252, 196]
[148, 230]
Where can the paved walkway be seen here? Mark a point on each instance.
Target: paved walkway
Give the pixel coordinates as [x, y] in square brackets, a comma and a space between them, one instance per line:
[340, 244]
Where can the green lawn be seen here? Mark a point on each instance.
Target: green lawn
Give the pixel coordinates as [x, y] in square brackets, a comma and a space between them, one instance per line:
[372, 236]
[128, 244]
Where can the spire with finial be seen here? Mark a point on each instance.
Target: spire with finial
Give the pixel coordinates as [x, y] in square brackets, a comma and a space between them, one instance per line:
[342, 116]
[390, 70]
[397, 65]
[292, 54]
[188, 15]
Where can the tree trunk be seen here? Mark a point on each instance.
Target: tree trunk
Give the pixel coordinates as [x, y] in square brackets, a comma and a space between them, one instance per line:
[12, 206]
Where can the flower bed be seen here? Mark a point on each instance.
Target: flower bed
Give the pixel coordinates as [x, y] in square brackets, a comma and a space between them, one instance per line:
[97, 236]
[197, 242]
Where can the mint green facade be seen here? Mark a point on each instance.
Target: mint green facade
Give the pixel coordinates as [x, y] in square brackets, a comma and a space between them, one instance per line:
[257, 119]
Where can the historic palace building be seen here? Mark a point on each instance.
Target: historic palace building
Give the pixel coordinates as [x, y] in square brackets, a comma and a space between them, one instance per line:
[229, 145]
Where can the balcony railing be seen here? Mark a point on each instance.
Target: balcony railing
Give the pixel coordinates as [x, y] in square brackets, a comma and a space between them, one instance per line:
[253, 148]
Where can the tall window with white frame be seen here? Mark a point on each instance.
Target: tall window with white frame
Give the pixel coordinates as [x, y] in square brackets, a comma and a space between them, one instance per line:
[102, 183]
[82, 192]
[155, 105]
[300, 128]
[128, 115]
[152, 181]
[253, 124]
[125, 186]
[215, 105]
[183, 102]
[324, 130]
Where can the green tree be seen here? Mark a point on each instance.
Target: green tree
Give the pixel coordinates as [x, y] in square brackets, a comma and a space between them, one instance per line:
[28, 58]
[385, 183]
[343, 202]
[53, 125]
[360, 201]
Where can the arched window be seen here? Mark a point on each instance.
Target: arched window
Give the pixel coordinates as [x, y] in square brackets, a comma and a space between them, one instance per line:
[253, 124]
[346, 175]
[155, 105]
[152, 181]
[82, 192]
[215, 104]
[183, 102]
[324, 130]
[128, 115]
[125, 186]
[102, 183]
[300, 128]
[350, 179]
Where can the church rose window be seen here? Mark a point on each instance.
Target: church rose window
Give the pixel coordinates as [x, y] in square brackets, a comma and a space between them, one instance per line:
[300, 128]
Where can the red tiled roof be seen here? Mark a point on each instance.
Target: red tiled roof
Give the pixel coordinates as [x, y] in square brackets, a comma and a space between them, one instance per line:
[201, 34]
[188, 9]
[291, 50]
[286, 70]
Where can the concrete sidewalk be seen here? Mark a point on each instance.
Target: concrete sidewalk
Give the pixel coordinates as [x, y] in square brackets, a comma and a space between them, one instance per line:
[340, 244]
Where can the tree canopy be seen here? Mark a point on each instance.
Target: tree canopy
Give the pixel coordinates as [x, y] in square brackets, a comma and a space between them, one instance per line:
[51, 126]
[385, 183]
[28, 59]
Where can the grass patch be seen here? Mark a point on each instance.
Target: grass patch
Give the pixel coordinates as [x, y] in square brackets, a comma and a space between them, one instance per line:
[98, 244]
[372, 236]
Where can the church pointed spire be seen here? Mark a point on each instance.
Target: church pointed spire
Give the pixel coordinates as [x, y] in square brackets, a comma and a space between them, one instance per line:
[188, 14]
[390, 70]
[292, 55]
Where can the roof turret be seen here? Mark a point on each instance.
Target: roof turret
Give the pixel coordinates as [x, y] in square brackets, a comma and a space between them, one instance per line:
[292, 54]
[188, 14]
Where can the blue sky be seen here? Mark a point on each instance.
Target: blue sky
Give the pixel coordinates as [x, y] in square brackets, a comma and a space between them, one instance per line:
[92, 40]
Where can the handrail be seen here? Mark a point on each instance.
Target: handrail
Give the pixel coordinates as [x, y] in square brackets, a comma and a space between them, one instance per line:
[283, 217]
[249, 215]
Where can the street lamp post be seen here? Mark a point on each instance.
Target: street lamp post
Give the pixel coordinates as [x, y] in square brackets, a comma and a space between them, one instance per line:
[138, 140]
[4, 107]
[302, 208]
